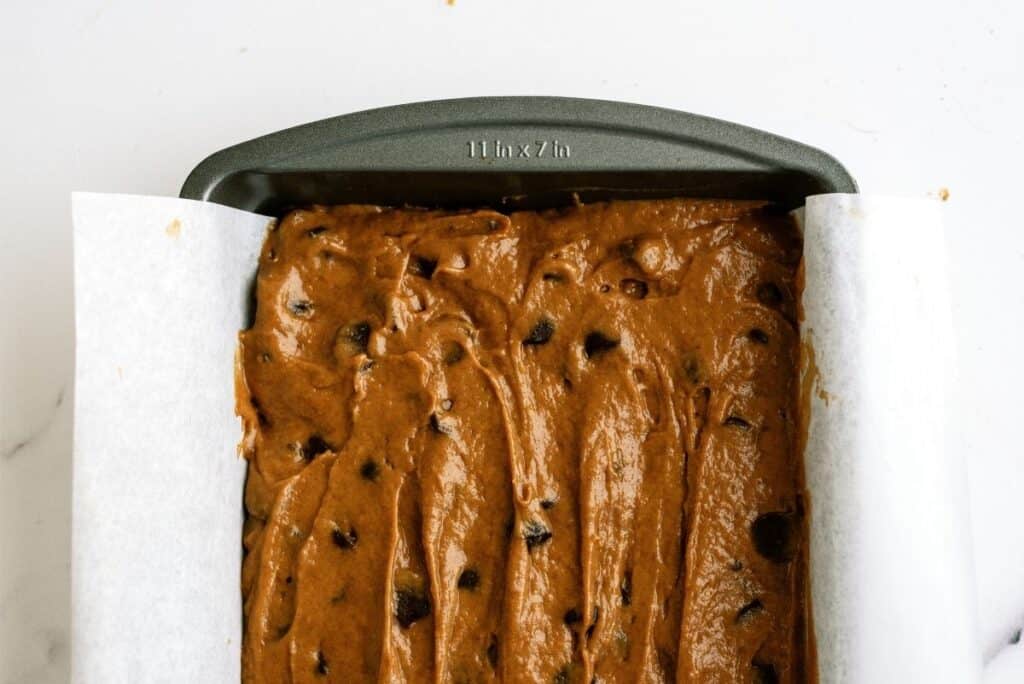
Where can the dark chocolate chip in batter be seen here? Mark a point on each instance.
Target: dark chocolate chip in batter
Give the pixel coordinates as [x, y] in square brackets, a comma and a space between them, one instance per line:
[492, 651]
[358, 334]
[764, 673]
[321, 664]
[452, 353]
[637, 289]
[314, 232]
[547, 504]
[627, 249]
[595, 616]
[597, 343]
[369, 470]
[315, 446]
[758, 335]
[626, 588]
[769, 294]
[422, 266]
[411, 605]
[469, 579]
[439, 426]
[535, 534]
[736, 422]
[345, 540]
[553, 277]
[301, 307]
[749, 610]
[775, 536]
[572, 617]
[540, 333]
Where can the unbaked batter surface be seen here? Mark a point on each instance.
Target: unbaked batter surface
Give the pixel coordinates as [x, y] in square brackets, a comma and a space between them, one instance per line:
[537, 447]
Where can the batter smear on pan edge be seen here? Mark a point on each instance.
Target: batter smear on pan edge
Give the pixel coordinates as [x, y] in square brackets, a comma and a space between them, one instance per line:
[548, 446]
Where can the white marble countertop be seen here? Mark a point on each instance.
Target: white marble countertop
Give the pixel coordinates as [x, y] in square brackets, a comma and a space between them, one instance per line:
[125, 96]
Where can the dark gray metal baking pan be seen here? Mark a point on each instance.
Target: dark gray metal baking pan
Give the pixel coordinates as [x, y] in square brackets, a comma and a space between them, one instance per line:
[510, 153]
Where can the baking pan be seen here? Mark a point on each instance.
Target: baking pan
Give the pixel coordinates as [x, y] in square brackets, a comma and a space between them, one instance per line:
[512, 153]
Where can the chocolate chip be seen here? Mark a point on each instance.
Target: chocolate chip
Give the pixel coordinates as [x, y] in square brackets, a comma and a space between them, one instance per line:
[758, 335]
[535, 534]
[749, 610]
[469, 579]
[315, 446]
[288, 579]
[764, 673]
[321, 664]
[627, 249]
[597, 343]
[369, 470]
[637, 289]
[769, 294]
[422, 266]
[313, 232]
[301, 307]
[541, 333]
[345, 540]
[553, 277]
[736, 422]
[775, 536]
[358, 334]
[411, 605]
[492, 651]
[547, 504]
[438, 426]
[572, 617]
[593, 621]
[452, 353]
[626, 588]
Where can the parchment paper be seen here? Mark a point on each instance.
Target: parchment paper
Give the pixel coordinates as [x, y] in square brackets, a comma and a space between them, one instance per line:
[160, 294]
[891, 582]
[161, 291]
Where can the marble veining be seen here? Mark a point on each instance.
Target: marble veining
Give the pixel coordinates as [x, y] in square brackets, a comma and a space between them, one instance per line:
[33, 433]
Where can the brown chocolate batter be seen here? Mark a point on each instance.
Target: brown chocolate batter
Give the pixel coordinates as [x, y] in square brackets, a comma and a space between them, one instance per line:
[537, 447]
